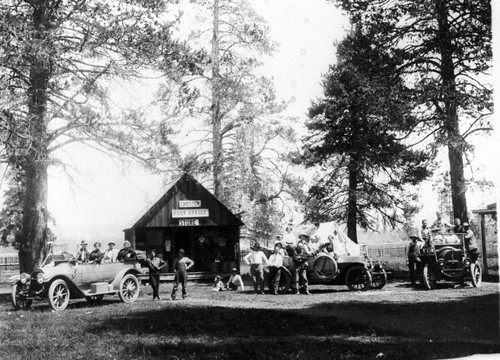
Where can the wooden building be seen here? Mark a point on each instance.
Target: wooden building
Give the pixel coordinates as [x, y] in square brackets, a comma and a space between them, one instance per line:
[189, 217]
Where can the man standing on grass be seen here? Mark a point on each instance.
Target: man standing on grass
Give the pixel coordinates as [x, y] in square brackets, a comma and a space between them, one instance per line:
[257, 259]
[412, 252]
[275, 264]
[155, 264]
[181, 265]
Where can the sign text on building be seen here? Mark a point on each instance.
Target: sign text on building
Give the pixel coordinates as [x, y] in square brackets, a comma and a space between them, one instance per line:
[189, 222]
[189, 203]
[189, 213]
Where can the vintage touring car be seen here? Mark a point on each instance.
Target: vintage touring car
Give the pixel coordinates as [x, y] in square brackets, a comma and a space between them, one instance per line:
[61, 278]
[448, 259]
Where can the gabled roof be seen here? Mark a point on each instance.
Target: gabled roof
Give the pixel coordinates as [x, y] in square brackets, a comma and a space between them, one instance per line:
[186, 187]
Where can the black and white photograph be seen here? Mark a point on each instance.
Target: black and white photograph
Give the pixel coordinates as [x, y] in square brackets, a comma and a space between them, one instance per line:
[249, 179]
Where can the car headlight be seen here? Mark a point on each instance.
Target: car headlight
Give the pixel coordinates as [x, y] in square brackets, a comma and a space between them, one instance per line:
[39, 278]
[24, 278]
[441, 262]
[467, 262]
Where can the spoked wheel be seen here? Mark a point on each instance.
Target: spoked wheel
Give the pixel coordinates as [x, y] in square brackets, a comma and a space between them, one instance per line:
[476, 274]
[429, 277]
[285, 281]
[58, 295]
[18, 301]
[379, 279]
[358, 279]
[129, 288]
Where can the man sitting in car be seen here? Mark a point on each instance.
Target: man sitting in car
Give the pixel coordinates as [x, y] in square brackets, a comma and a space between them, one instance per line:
[127, 253]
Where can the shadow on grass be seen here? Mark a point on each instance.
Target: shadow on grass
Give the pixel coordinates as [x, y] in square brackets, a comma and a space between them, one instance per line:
[229, 333]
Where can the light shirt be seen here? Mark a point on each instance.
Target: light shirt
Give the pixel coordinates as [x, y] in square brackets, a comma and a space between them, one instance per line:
[256, 257]
[237, 280]
[276, 260]
[183, 264]
[110, 255]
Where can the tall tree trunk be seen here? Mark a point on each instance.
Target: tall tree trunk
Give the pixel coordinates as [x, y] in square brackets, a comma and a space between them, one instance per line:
[216, 120]
[352, 201]
[34, 225]
[451, 123]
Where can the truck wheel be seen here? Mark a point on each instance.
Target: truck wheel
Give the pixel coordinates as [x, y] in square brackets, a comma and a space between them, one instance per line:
[379, 280]
[285, 282]
[129, 288]
[58, 295]
[429, 277]
[476, 274]
[358, 279]
[20, 302]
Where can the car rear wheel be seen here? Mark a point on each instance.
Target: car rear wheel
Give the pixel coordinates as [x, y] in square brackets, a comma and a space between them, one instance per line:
[18, 301]
[129, 288]
[379, 279]
[358, 279]
[429, 277]
[58, 295]
[476, 274]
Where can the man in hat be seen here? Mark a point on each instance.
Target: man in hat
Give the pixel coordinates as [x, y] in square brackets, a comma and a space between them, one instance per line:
[96, 255]
[82, 255]
[300, 264]
[257, 259]
[470, 242]
[274, 269]
[110, 254]
[412, 252]
[127, 253]
[181, 265]
[154, 265]
[235, 281]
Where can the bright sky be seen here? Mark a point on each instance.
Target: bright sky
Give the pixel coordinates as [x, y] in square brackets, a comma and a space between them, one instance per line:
[107, 197]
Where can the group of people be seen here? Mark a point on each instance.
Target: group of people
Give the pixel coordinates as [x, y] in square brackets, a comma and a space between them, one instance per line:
[259, 263]
[83, 255]
[181, 266]
[428, 236]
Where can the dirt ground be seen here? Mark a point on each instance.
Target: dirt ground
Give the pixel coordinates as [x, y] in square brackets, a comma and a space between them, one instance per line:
[448, 315]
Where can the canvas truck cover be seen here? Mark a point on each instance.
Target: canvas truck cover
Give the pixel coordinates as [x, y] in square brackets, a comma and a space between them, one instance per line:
[343, 246]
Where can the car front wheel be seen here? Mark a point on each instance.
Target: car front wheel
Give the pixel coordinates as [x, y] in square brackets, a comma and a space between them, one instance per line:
[358, 278]
[129, 288]
[379, 279]
[429, 277]
[58, 295]
[18, 301]
[476, 274]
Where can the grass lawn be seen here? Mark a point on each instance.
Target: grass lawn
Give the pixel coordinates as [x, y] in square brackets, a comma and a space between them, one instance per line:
[232, 325]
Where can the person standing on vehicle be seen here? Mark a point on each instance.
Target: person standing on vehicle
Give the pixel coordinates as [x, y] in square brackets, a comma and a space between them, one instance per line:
[110, 254]
[257, 259]
[181, 265]
[154, 265]
[275, 264]
[470, 243]
[414, 263]
[440, 225]
[127, 253]
[82, 255]
[457, 227]
[96, 255]
[425, 234]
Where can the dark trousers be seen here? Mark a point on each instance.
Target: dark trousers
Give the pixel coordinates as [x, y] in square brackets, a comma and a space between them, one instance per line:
[154, 280]
[180, 278]
[299, 277]
[257, 272]
[415, 267]
[274, 279]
